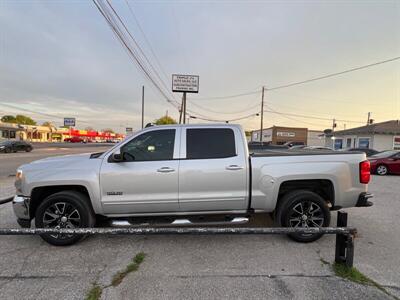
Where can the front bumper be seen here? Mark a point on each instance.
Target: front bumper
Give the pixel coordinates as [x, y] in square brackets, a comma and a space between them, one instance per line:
[21, 210]
[363, 200]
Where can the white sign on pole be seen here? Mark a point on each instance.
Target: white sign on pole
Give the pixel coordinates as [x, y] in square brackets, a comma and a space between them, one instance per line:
[69, 121]
[129, 130]
[185, 83]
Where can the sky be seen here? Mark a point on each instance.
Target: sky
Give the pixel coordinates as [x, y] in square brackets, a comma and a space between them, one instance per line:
[60, 59]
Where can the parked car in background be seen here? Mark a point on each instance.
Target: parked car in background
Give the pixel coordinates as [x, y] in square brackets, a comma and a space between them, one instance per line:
[367, 151]
[293, 144]
[15, 146]
[255, 147]
[386, 162]
[311, 148]
[74, 139]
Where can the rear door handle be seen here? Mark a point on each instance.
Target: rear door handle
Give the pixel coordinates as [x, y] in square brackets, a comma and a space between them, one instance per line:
[165, 170]
[234, 167]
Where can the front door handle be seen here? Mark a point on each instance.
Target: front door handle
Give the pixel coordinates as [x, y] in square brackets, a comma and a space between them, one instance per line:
[234, 167]
[165, 170]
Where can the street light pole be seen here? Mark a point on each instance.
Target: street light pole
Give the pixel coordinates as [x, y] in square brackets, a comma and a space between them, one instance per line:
[262, 114]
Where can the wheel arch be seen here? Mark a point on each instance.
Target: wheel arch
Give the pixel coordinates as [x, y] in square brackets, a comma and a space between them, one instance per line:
[322, 187]
[40, 193]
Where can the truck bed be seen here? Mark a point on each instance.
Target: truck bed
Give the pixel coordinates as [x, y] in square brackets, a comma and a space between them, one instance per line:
[270, 153]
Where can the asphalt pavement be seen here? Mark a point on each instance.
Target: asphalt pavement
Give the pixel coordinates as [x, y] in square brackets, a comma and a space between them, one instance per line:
[9, 162]
[207, 267]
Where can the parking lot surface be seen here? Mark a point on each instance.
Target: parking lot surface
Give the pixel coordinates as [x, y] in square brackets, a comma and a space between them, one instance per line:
[204, 267]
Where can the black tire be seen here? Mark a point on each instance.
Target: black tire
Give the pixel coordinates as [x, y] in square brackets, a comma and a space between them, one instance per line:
[315, 211]
[76, 206]
[29, 149]
[382, 170]
[7, 150]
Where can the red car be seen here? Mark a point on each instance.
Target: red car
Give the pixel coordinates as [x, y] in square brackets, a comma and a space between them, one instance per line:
[386, 162]
[74, 139]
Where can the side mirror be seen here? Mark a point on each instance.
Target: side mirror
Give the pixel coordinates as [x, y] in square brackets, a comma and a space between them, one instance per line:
[117, 157]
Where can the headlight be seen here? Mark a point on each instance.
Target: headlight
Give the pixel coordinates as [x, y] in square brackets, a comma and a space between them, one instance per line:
[2, 147]
[18, 181]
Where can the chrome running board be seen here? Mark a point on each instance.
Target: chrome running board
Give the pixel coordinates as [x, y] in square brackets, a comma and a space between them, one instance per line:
[179, 223]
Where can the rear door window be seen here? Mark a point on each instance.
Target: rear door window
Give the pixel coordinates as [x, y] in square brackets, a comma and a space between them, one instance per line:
[203, 143]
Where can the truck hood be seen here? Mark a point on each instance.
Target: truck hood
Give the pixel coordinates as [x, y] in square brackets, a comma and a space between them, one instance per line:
[75, 161]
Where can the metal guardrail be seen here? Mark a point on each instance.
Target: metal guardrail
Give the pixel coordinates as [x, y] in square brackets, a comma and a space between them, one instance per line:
[344, 250]
[6, 200]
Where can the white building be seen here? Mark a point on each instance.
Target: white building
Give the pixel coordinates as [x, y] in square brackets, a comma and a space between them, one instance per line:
[379, 136]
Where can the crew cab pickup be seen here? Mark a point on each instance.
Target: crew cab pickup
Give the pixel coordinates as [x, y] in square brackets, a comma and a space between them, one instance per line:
[184, 171]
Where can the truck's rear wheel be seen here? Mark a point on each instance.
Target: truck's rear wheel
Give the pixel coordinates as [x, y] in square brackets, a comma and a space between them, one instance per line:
[68, 209]
[303, 209]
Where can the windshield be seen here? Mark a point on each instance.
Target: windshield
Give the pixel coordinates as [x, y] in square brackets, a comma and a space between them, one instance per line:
[384, 154]
[5, 143]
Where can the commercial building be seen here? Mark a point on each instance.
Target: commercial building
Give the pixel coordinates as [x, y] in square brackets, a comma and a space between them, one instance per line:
[36, 133]
[379, 136]
[9, 131]
[278, 135]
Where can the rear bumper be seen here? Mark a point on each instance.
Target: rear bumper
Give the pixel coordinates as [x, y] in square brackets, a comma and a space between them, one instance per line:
[363, 200]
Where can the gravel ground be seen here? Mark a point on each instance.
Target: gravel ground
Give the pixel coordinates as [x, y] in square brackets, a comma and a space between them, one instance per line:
[204, 267]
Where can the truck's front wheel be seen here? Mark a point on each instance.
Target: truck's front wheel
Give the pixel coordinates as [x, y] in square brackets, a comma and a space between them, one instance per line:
[68, 209]
[303, 209]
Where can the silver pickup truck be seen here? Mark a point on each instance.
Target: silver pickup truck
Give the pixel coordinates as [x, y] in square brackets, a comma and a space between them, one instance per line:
[187, 173]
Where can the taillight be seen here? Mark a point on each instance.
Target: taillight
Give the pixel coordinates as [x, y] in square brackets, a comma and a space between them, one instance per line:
[365, 171]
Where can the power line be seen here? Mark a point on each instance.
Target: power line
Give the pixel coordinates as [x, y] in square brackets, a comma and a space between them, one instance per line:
[37, 113]
[229, 96]
[145, 38]
[226, 113]
[332, 74]
[311, 117]
[303, 81]
[108, 16]
[138, 46]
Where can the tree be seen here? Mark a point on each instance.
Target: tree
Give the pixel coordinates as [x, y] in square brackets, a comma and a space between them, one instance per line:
[165, 120]
[48, 124]
[107, 130]
[19, 119]
[8, 119]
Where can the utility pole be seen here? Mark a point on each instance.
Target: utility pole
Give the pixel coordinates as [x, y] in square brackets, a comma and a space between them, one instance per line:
[142, 106]
[369, 118]
[262, 114]
[333, 124]
[181, 112]
[184, 107]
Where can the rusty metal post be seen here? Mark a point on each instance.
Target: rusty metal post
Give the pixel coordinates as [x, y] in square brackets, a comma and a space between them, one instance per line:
[344, 248]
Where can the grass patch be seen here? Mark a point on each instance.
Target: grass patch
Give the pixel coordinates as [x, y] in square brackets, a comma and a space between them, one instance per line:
[139, 258]
[131, 267]
[354, 275]
[94, 293]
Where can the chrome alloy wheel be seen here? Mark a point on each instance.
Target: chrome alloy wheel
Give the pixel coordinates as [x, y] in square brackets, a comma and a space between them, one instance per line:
[306, 214]
[61, 215]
